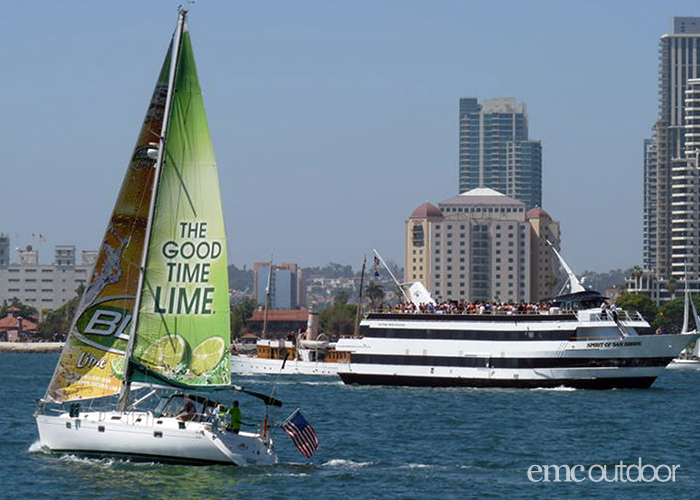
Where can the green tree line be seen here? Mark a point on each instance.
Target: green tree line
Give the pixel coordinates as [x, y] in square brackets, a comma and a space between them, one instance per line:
[669, 316]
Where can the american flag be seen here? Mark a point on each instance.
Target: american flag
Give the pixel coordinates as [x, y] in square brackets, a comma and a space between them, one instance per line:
[301, 432]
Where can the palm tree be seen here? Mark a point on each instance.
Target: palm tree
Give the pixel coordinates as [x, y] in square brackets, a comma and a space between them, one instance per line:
[549, 283]
[375, 294]
[637, 273]
[671, 287]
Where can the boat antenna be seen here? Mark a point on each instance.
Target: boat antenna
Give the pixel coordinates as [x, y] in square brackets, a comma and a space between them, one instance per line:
[267, 298]
[359, 299]
[574, 282]
[392, 276]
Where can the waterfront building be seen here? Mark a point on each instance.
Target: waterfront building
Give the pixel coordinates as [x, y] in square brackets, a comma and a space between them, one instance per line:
[280, 323]
[544, 265]
[496, 152]
[4, 250]
[45, 286]
[671, 244]
[649, 244]
[482, 246]
[287, 289]
[15, 328]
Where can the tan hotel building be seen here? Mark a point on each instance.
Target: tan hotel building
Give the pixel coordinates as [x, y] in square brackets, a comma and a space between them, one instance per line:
[482, 246]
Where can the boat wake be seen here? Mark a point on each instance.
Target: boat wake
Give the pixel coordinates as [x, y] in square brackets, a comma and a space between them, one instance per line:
[342, 463]
[327, 382]
[561, 388]
[416, 466]
[693, 366]
[37, 447]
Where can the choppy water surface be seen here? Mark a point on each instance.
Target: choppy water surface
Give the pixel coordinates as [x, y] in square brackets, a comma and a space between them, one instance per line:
[386, 442]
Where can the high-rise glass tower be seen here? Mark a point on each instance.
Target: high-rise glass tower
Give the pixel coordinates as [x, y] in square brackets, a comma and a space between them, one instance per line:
[495, 151]
[671, 245]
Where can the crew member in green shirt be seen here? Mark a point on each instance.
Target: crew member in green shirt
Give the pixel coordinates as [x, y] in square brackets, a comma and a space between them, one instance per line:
[236, 417]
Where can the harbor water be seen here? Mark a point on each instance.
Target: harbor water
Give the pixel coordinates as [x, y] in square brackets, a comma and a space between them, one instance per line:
[390, 442]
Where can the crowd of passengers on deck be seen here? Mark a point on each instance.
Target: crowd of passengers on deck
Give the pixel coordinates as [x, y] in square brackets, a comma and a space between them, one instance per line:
[460, 307]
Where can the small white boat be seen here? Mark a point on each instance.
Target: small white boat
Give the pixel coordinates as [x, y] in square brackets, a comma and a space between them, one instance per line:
[155, 312]
[153, 435]
[314, 355]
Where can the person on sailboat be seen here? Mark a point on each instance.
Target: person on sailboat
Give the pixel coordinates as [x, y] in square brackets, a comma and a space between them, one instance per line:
[188, 410]
[235, 412]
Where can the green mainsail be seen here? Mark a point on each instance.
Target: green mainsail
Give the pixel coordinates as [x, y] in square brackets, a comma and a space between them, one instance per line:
[182, 332]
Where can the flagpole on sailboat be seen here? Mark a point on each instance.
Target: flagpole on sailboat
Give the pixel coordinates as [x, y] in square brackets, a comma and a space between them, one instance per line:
[359, 300]
[267, 299]
[158, 168]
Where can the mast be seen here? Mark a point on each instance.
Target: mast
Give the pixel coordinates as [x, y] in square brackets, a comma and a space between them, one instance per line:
[359, 300]
[267, 299]
[174, 55]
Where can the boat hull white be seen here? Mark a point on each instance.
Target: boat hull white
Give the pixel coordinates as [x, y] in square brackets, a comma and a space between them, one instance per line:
[249, 365]
[142, 436]
[632, 362]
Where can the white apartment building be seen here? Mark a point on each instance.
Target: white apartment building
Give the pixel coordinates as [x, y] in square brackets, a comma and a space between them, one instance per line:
[45, 286]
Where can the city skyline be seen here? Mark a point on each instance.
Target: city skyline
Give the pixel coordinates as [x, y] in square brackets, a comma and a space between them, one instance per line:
[332, 121]
[671, 237]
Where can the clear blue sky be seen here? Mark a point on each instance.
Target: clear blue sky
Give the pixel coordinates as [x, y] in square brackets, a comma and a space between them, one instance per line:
[332, 120]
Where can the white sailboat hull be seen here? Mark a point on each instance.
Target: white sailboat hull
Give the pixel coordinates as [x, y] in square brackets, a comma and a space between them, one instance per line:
[142, 436]
[250, 365]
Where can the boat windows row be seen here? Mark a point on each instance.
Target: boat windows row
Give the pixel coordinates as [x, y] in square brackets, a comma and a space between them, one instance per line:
[501, 335]
[489, 362]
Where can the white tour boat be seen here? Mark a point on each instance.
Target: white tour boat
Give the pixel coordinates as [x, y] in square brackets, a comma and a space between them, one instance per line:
[155, 312]
[576, 343]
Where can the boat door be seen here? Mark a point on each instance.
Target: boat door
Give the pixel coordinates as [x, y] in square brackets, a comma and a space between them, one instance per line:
[483, 363]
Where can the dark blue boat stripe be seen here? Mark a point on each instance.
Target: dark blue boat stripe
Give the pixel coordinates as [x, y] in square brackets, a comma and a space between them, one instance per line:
[590, 383]
[501, 335]
[485, 362]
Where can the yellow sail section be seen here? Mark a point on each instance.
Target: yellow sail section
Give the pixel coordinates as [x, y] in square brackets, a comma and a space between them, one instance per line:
[92, 361]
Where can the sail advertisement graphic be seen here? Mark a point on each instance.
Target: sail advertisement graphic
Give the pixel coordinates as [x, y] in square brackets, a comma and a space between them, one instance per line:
[92, 361]
[183, 325]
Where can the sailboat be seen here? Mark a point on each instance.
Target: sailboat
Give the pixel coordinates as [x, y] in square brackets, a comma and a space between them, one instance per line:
[690, 356]
[151, 333]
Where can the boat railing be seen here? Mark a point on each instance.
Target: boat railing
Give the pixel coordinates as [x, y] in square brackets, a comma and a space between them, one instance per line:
[548, 312]
[622, 316]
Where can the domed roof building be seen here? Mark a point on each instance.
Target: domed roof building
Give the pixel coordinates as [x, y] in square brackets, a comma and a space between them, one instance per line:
[426, 210]
[480, 246]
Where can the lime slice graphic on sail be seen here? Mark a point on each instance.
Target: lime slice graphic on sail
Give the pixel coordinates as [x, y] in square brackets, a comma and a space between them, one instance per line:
[165, 353]
[207, 355]
[117, 366]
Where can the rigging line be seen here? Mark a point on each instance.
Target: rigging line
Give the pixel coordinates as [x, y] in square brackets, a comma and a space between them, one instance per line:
[182, 182]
